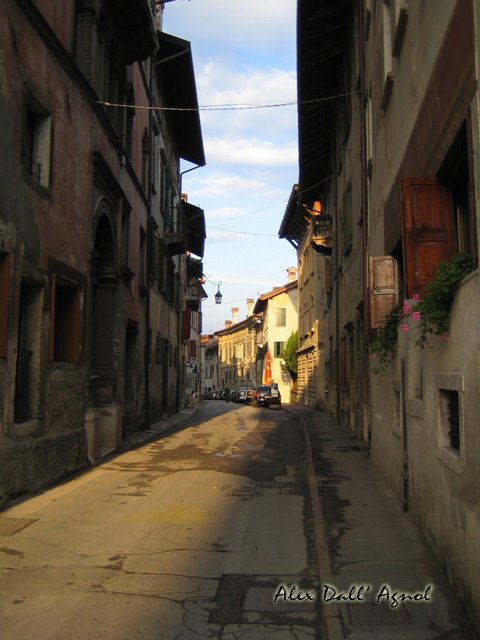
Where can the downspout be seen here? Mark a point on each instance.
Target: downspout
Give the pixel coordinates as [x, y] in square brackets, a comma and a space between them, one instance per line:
[365, 210]
[337, 282]
[148, 248]
[404, 436]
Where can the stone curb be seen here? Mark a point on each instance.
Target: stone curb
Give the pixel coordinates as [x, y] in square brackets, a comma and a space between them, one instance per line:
[330, 614]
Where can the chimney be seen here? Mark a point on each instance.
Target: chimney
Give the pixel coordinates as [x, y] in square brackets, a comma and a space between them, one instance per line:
[292, 274]
[250, 304]
[234, 315]
[228, 324]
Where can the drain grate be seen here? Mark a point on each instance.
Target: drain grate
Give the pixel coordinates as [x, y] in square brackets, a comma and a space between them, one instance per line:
[8, 526]
[377, 614]
[261, 599]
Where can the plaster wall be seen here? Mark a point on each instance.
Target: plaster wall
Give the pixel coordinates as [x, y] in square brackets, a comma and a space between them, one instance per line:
[288, 301]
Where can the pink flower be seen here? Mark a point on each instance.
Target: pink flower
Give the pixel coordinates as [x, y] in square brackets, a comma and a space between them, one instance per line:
[407, 309]
[404, 328]
[373, 356]
[444, 337]
[416, 297]
[416, 315]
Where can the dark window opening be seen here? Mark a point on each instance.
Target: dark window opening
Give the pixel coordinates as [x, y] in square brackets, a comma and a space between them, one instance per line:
[27, 388]
[145, 161]
[66, 322]
[4, 288]
[455, 172]
[278, 347]
[36, 141]
[130, 117]
[451, 411]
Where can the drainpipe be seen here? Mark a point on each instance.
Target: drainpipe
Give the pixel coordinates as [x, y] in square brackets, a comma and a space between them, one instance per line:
[404, 435]
[337, 282]
[148, 248]
[365, 206]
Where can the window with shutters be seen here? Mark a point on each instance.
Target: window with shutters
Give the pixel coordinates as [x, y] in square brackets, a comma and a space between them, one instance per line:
[437, 219]
[427, 230]
[4, 289]
[384, 288]
[278, 347]
[281, 317]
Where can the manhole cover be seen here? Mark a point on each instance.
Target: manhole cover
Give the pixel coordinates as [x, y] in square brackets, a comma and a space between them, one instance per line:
[373, 613]
[261, 599]
[13, 525]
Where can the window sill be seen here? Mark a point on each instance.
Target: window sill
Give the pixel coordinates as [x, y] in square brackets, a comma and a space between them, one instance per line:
[44, 192]
[451, 459]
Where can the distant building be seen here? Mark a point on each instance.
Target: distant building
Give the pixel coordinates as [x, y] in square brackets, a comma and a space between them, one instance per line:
[237, 351]
[209, 363]
[279, 312]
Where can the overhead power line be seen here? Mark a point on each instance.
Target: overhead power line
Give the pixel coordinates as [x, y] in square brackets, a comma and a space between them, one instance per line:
[228, 107]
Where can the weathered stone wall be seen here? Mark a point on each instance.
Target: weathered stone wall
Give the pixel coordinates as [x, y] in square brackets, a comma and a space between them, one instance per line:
[35, 463]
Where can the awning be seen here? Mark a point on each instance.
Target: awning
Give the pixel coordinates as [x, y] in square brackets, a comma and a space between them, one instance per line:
[294, 223]
[195, 229]
[176, 76]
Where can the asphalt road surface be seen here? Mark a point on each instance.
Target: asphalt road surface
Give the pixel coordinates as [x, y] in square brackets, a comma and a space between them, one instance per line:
[188, 537]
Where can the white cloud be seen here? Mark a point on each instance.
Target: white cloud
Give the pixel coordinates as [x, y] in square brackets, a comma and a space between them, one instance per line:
[250, 152]
[224, 236]
[260, 24]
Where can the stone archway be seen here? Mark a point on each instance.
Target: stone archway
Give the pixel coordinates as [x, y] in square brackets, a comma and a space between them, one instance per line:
[104, 347]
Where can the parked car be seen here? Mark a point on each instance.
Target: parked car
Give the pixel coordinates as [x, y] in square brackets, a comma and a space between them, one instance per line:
[242, 394]
[267, 396]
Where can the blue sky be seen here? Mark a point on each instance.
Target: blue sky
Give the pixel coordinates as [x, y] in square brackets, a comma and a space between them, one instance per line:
[244, 53]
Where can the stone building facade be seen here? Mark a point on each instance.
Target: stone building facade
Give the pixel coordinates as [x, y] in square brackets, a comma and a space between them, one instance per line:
[93, 230]
[237, 354]
[391, 99]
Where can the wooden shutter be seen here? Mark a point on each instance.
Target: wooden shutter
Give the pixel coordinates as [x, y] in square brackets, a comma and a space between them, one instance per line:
[4, 288]
[427, 228]
[193, 348]
[384, 290]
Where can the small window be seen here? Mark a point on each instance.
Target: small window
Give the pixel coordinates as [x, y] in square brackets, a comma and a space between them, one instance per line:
[125, 238]
[129, 120]
[142, 257]
[145, 160]
[281, 317]
[278, 349]
[450, 417]
[451, 439]
[37, 141]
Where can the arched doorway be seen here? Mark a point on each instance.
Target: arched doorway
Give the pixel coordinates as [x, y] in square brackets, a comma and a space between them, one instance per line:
[104, 347]
[104, 287]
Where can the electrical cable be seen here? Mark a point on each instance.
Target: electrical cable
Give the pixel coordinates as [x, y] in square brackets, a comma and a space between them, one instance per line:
[228, 107]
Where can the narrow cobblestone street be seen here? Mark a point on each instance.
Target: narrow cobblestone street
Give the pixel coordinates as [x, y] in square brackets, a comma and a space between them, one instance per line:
[192, 535]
